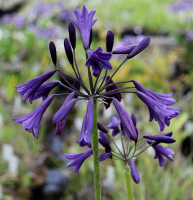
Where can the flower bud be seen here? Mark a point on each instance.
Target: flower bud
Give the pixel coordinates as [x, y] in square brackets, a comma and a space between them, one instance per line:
[109, 41]
[53, 53]
[72, 34]
[68, 50]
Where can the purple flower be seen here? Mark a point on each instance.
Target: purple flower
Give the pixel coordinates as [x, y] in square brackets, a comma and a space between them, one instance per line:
[124, 49]
[158, 111]
[126, 120]
[98, 60]
[78, 159]
[72, 34]
[161, 151]
[68, 51]
[139, 48]
[65, 15]
[101, 127]
[53, 52]
[189, 36]
[104, 141]
[87, 126]
[111, 88]
[84, 23]
[18, 21]
[115, 125]
[161, 138]
[31, 121]
[45, 89]
[29, 88]
[64, 110]
[60, 125]
[109, 41]
[134, 172]
[161, 98]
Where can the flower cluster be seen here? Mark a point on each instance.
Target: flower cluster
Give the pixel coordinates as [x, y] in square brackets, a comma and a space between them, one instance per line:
[102, 88]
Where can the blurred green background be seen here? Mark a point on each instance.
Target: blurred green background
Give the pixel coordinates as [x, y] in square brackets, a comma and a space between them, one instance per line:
[26, 28]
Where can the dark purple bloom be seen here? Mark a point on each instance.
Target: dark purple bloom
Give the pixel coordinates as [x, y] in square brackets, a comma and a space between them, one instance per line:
[45, 89]
[78, 159]
[115, 126]
[160, 138]
[68, 50]
[126, 120]
[64, 110]
[134, 172]
[31, 121]
[98, 60]
[53, 52]
[91, 35]
[158, 111]
[60, 125]
[161, 151]
[76, 84]
[111, 88]
[72, 34]
[133, 119]
[104, 141]
[109, 41]
[162, 98]
[101, 127]
[29, 88]
[139, 48]
[87, 126]
[84, 23]
[124, 49]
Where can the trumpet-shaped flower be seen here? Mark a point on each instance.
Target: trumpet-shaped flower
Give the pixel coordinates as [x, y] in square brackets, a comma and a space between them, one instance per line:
[161, 98]
[87, 126]
[32, 120]
[84, 23]
[158, 111]
[161, 151]
[29, 88]
[98, 60]
[78, 159]
[126, 120]
[60, 125]
[45, 89]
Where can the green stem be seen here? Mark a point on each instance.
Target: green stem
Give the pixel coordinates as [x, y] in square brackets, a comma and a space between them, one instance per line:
[96, 155]
[128, 183]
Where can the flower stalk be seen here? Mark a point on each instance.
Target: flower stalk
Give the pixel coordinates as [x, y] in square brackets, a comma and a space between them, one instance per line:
[128, 182]
[96, 155]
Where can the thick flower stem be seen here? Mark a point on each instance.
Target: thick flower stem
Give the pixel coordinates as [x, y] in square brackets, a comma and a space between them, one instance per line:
[128, 183]
[96, 156]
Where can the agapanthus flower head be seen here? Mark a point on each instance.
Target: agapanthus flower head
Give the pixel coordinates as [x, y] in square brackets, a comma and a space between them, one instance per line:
[32, 120]
[109, 41]
[53, 52]
[29, 88]
[87, 126]
[134, 172]
[139, 48]
[78, 159]
[98, 60]
[45, 89]
[162, 98]
[115, 126]
[111, 88]
[161, 151]
[84, 23]
[60, 125]
[125, 120]
[158, 111]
